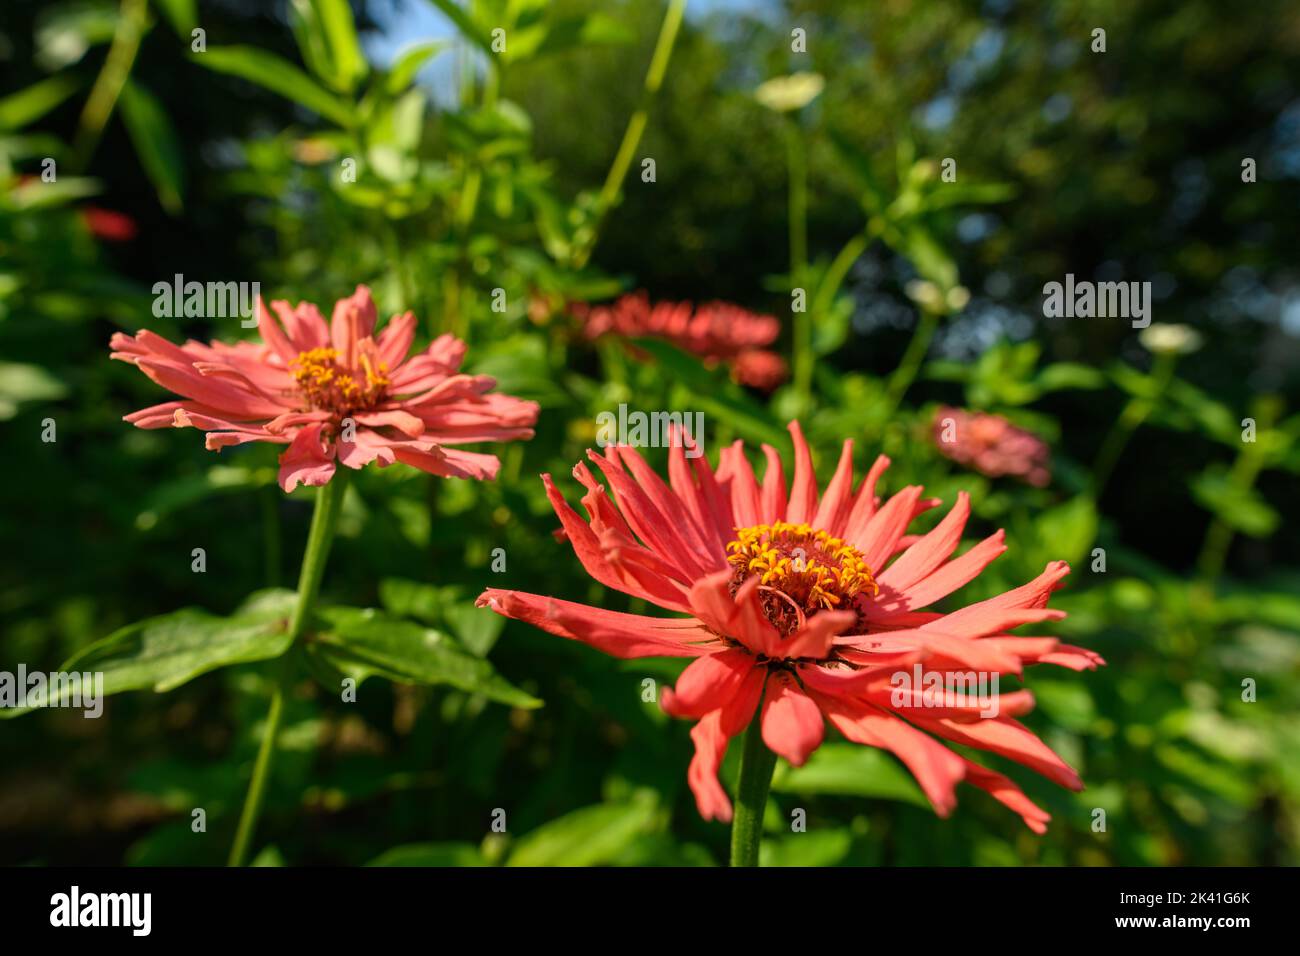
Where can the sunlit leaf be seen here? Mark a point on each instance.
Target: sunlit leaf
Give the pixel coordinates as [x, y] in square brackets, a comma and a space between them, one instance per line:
[587, 837]
[368, 643]
[278, 75]
[162, 653]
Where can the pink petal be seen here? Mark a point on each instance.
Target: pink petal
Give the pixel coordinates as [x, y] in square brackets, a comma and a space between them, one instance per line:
[617, 634]
[306, 460]
[792, 724]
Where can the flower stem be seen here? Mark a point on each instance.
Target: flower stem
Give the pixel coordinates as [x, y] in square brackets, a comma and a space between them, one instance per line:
[636, 125]
[1135, 412]
[132, 25]
[797, 214]
[910, 364]
[324, 520]
[756, 765]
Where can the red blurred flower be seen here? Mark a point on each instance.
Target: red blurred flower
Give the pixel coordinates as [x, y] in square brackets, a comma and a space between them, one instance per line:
[715, 331]
[762, 369]
[992, 445]
[109, 225]
[791, 601]
[332, 392]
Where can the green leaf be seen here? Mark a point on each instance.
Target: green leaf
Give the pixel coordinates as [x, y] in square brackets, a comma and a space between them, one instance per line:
[952, 194]
[162, 653]
[1242, 509]
[183, 15]
[929, 258]
[470, 30]
[815, 848]
[430, 854]
[309, 34]
[327, 35]
[278, 75]
[587, 837]
[155, 143]
[476, 630]
[1062, 375]
[409, 63]
[27, 106]
[21, 383]
[38, 194]
[1067, 530]
[368, 643]
[850, 770]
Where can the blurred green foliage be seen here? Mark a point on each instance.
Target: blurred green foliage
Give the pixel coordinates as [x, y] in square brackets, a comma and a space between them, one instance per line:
[282, 153]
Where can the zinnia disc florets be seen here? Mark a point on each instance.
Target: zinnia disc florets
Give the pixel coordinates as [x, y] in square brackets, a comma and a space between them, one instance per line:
[328, 386]
[801, 571]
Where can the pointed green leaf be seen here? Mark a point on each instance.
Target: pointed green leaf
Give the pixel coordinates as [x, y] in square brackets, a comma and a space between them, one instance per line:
[27, 106]
[850, 770]
[162, 653]
[368, 643]
[155, 143]
[278, 75]
[587, 837]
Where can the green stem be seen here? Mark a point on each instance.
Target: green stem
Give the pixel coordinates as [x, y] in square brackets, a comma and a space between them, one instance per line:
[324, 520]
[636, 124]
[1132, 416]
[797, 215]
[756, 765]
[1214, 551]
[132, 25]
[912, 360]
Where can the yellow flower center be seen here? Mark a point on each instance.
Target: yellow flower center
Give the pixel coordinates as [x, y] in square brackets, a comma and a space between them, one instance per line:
[329, 386]
[800, 571]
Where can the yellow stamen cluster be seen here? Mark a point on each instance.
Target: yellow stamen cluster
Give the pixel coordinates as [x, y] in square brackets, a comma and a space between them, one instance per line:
[810, 567]
[327, 385]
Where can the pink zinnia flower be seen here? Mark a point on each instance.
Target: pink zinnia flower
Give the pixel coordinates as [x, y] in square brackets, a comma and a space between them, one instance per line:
[992, 445]
[762, 369]
[332, 392]
[715, 331]
[807, 606]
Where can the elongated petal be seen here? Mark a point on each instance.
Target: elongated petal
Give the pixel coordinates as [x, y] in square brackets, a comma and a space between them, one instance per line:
[936, 768]
[615, 633]
[1009, 795]
[711, 736]
[833, 512]
[803, 493]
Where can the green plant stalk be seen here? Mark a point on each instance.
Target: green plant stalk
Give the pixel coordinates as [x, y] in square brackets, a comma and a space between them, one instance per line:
[329, 500]
[756, 765]
[1134, 413]
[132, 25]
[1218, 538]
[636, 124]
[913, 358]
[797, 215]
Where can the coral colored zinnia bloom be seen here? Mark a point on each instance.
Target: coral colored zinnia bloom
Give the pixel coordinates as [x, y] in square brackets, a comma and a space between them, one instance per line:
[715, 331]
[992, 445]
[333, 392]
[762, 369]
[807, 604]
